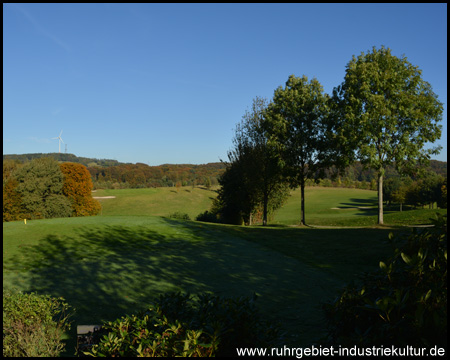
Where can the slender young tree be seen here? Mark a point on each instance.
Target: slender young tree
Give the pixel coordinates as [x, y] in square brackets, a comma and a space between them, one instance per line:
[253, 174]
[299, 124]
[388, 113]
[263, 163]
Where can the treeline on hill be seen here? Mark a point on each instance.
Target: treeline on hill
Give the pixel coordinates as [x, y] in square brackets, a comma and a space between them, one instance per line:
[144, 176]
[110, 174]
[42, 188]
[62, 157]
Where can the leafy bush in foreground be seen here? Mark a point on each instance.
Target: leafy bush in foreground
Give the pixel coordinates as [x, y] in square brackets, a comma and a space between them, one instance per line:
[404, 302]
[33, 325]
[178, 325]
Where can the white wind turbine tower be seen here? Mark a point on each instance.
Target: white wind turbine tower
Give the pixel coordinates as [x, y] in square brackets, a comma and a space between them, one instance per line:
[60, 140]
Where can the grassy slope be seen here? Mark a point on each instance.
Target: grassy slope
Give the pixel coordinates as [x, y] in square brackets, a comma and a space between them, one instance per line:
[111, 265]
[327, 206]
[106, 266]
[156, 201]
[324, 206]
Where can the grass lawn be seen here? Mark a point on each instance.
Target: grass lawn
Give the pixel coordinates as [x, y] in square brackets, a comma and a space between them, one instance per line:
[327, 206]
[111, 265]
[156, 201]
[107, 266]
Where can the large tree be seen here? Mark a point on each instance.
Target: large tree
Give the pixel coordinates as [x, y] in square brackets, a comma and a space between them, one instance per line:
[388, 114]
[298, 122]
[77, 186]
[40, 183]
[253, 176]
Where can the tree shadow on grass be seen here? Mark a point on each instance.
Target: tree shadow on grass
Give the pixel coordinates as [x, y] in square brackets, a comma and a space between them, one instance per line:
[358, 203]
[369, 207]
[110, 271]
[107, 272]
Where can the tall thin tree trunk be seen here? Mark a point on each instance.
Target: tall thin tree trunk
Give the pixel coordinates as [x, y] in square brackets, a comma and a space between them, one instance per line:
[380, 198]
[266, 200]
[302, 189]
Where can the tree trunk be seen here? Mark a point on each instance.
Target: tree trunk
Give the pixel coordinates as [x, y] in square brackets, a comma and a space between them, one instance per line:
[302, 188]
[380, 199]
[266, 200]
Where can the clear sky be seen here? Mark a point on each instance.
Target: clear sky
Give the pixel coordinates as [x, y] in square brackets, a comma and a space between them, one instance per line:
[167, 83]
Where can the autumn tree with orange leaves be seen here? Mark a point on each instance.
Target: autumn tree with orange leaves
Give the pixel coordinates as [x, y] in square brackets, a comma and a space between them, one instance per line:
[77, 187]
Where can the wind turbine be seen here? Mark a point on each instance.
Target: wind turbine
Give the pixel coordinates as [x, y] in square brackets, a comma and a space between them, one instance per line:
[60, 140]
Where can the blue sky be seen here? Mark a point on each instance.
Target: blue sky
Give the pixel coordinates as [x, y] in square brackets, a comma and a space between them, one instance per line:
[167, 83]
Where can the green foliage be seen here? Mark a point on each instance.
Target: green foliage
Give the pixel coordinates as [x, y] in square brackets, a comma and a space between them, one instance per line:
[43, 189]
[395, 185]
[110, 174]
[388, 113]
[178, 325]
[56, 205]
[207, 216]
[442, 203]
[40, 185]
[253, 179]
[298, 126]
[429, 189]
[277, 199]
[233, 201]
[179, 215]
[207, 183]
[33, 325]
[404, 302]
[62, 157]
[142, 175]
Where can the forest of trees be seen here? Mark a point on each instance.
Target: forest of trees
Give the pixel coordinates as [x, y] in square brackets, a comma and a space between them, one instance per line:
[111, 174]
[144, 176]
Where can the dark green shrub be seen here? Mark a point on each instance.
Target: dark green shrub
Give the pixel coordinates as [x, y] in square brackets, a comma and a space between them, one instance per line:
[33, 325]
[179, 215]
[207, 216]
[404, 302]
[178, 325]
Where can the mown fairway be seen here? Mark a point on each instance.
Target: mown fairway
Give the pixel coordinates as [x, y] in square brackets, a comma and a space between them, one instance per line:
[325, 206]
[156, 201]
[329, 206]
[109, 265]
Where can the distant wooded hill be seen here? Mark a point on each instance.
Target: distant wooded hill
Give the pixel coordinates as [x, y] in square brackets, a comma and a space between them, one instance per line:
[64, 158]
[108, 173]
